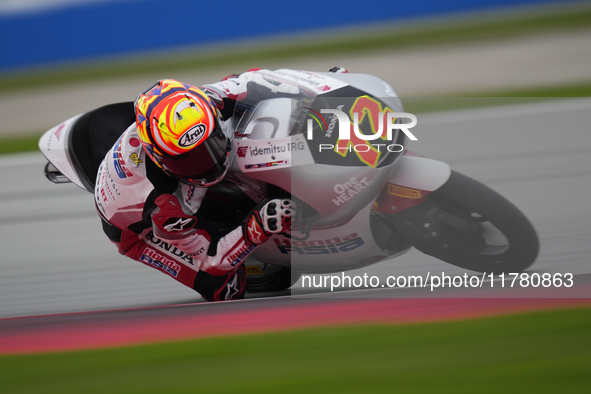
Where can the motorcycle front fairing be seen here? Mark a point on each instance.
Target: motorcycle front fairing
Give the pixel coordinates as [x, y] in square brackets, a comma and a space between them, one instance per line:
[335, 191]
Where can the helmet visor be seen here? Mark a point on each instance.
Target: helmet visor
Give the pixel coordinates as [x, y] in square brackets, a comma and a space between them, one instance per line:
[203, 165]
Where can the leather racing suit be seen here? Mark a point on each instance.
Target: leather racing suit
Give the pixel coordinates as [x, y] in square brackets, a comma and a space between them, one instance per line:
[154, 219]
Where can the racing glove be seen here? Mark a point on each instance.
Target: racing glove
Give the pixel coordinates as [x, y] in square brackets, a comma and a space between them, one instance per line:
[173, 225]
[268, 218]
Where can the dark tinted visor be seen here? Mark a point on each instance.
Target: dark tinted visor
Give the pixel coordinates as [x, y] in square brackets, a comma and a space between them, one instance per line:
[204, 163]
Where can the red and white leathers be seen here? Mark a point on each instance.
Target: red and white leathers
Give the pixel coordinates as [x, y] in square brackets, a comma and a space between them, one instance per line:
[154, 219]
[122, 195]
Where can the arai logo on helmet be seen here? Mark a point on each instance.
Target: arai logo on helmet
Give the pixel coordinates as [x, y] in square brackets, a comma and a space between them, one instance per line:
[192, 136]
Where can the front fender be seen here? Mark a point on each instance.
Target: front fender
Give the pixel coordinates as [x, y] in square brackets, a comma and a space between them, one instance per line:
[414, 178]
[420, 173]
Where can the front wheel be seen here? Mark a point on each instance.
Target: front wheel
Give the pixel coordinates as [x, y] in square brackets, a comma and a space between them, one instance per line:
[469, 225]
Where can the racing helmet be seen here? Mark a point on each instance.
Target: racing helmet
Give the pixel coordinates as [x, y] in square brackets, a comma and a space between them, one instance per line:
[180, 129]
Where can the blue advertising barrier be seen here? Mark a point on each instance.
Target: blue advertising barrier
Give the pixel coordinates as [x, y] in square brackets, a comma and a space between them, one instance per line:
[79, 32]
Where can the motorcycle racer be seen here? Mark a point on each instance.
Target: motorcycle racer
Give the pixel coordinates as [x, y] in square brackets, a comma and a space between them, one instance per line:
[152, 181]
[354, 212]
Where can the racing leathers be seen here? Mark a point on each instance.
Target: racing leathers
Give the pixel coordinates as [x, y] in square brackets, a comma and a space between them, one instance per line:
[154, 219]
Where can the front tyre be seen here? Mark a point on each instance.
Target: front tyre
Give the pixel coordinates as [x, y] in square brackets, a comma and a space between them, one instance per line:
[469, 225]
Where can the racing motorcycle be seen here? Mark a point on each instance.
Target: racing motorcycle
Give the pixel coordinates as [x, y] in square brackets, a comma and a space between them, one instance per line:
[335, 144]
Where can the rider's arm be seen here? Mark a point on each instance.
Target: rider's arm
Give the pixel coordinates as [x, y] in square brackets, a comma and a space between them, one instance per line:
[218, 255]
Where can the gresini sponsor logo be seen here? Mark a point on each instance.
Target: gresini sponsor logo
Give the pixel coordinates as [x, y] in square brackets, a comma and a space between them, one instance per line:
[322, 246]
[169, 248]
[369, 143]
[155, 259]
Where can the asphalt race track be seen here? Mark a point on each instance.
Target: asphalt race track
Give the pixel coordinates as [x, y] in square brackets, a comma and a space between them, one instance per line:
[56, 259]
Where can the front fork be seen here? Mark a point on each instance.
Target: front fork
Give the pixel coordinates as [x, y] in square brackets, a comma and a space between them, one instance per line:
[433, 225]
[409, 186]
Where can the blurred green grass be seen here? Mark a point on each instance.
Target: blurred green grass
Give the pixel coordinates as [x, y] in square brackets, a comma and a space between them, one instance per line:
[417, 105]
[540, 352]
[14, 144]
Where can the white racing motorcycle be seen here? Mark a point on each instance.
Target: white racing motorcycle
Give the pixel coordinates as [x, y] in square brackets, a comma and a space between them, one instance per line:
[334, 143]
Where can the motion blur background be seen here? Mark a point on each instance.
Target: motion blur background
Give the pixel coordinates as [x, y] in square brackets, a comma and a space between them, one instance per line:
[59, 58]
[41, 33]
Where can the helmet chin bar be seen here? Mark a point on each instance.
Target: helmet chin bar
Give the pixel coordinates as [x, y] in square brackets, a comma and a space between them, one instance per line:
[196, 172]
[204, 182]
